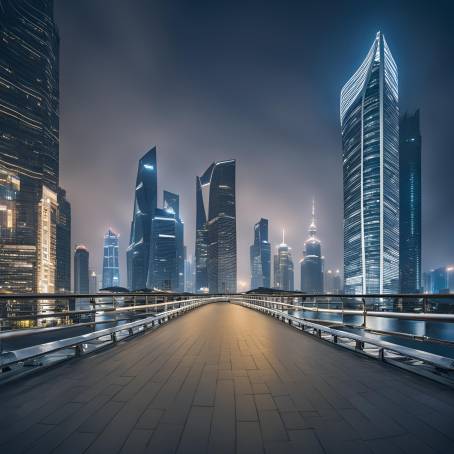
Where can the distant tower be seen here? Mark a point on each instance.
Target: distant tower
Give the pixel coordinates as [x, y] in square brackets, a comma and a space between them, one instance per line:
[260, 256]
[312, 262]
[283, 267]
[216, 229]
[93, 285]
[81, 261]
[110, 265]
[145, 203]
[369, 117]
[410, 203]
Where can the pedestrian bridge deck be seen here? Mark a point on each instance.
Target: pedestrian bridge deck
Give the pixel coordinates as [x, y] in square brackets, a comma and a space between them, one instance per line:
[224, 378]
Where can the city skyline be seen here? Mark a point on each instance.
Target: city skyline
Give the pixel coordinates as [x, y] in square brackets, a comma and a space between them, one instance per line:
[151, 125]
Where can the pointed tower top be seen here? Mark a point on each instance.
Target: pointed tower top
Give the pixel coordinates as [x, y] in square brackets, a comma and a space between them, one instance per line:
[313, 227]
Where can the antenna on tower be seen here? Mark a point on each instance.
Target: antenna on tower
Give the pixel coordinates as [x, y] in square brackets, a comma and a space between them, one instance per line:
[283, 236]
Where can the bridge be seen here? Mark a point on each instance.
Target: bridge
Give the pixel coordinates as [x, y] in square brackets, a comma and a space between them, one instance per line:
[230, 373]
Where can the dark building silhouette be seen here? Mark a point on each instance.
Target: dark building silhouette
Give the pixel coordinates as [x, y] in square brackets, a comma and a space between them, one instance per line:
[29, 146]
[410, 203]
[145, 204]
[260, 256]
[312, 262]
[81, 273]
[63, 280]
[216, 229]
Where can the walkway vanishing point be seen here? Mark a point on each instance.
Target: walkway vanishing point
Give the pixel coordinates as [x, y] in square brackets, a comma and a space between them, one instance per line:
[223, 379]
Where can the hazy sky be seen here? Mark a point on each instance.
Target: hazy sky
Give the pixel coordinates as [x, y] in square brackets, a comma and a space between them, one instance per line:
[255, 81]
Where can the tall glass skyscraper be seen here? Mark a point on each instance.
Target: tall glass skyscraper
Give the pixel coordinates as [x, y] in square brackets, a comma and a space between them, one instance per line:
[410, 203]
[29, 146]
[145, 204]
[110, 265]
[81, 273]
[283, 267]
[312, 262]
[260, 256]
[369, 117]
[216, 229]
[166, 270]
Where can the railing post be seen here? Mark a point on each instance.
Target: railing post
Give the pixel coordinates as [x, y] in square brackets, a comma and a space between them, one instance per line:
[364, 312]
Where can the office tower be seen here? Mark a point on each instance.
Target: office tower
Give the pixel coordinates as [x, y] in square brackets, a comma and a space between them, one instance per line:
[93, 284]
[439, 280]
[29, 140]
[110, 266]
[312, 262]
[260, 256]
[333, 282]
[189, 274]
[216, 229]
[81, 262]
[63, 248]
[145, 203]
[46, 262]
[369, 117]
[172, 205]
[450, 278]
[410, 203]
[283, 267]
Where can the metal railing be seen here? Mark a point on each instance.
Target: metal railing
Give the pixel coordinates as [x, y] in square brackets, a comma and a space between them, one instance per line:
[351, 321]
[38, 330]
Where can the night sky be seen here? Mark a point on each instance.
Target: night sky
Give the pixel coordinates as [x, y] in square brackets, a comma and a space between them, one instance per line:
[255, 81]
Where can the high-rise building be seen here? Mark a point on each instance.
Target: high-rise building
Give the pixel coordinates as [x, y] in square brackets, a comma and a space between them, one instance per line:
[260, 256]
[145, 204]
[369, 117]
[333, 282]
[63, 248]
[110, 265]
[283, 267]
[93, 284]
[216, 229]
[166, 270]
[410, 203]
[312, 262]
[81, 266]
[189, 273]
[29, 142]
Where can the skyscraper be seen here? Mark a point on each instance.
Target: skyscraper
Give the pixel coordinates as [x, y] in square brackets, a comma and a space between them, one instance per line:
[166, 270]
[410, 203]
[29, 143]
[110, 266]
[369, 116]
[260, 256]
[81, 264]
[189, 274]
[63, 249]
[216, 229]
[283, 267]
[312, 262]
[145, 203]
[93, 284]
[333, 282]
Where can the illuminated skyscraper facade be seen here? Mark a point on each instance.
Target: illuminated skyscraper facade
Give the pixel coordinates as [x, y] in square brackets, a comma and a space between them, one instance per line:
[283, 268]
[110, 265]
[410, 204]
[312, 262]
[216, 229]
[260, 256]
[145, 204]
[369, 116]
[29, 140]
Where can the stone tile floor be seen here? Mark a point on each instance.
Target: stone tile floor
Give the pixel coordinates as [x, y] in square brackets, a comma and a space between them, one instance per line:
[224, 378]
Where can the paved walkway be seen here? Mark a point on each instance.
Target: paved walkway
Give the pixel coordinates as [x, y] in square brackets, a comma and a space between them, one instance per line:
[226, 379]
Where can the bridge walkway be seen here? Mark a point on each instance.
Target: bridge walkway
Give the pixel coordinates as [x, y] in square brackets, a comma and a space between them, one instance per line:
[224, 378]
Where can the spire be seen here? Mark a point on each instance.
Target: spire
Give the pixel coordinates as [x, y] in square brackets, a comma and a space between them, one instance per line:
[313, 227]
[283, 236]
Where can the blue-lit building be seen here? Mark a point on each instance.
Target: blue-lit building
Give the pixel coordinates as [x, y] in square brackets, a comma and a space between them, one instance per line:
[312, 262]
[216, 229]
[284, 276]
[110, 265]
[166, 270]
[260, 256]
[410, 203]
[369, 117]
[145, 204]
